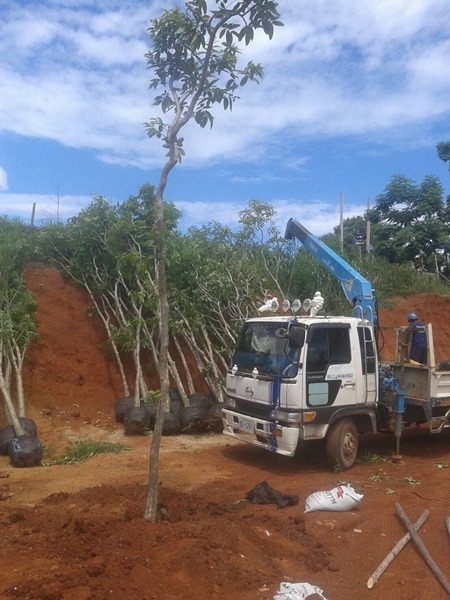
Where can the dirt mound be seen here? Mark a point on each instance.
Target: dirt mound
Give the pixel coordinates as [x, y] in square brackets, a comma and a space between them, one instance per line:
[76, 532]
[67, 368]
[430, 308]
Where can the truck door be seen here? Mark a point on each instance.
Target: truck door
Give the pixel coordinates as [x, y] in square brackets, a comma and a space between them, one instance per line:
[330, 368]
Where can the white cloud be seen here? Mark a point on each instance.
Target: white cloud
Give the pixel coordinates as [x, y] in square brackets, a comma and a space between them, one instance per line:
[316, 215]
[75, 73]
[49, 207]
[3, 180]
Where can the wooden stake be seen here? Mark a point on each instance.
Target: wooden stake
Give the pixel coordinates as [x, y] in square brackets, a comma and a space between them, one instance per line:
[447, 522]
[395, 551]
[421, 547]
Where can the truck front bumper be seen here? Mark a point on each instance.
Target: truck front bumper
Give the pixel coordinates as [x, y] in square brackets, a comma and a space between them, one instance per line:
[266, 434]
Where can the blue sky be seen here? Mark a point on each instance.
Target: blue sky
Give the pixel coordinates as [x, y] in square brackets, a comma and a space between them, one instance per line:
[353, 93]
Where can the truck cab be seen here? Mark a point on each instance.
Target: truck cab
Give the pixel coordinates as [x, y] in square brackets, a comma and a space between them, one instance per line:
[294, 379]
[297, 379]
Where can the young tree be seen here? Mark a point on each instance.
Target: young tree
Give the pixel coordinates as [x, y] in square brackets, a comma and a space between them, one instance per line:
[17, 322]
[194, 59]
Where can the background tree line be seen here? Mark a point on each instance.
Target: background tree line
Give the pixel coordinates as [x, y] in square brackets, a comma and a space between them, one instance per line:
[216, 277]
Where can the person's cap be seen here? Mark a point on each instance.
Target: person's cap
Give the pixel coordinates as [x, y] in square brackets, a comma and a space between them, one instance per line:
[412, 317]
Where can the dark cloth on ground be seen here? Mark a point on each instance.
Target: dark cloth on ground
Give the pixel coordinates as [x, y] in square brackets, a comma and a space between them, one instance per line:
[264, 494]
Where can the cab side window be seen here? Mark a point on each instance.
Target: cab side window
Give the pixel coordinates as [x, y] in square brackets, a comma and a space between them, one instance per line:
[318, 355]
[328, 345]
[339, 342]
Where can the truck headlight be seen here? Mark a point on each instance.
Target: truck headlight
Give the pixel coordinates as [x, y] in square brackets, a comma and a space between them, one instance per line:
[230, 403]
[285, 416]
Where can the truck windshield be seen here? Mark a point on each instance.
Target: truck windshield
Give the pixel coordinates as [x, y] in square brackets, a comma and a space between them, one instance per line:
[259, 347]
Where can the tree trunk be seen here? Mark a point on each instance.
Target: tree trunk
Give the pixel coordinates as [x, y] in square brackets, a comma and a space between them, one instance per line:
[188, 373]
[10, 408]
[105, 317]
[151, 508]
[177, 378]
[137, 363]
[17, 357]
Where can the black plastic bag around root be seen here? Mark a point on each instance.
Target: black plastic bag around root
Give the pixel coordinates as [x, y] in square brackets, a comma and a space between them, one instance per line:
[264, 494]
[7, 433]
[25, 451]
[136, 421]
[121, 407]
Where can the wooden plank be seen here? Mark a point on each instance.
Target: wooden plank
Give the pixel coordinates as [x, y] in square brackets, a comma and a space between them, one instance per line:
[422, 549]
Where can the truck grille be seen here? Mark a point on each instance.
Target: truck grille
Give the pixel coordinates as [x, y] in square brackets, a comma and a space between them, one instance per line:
[254, 409]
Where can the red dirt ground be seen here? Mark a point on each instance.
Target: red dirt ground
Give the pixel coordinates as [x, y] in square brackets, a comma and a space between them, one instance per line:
[76, 532]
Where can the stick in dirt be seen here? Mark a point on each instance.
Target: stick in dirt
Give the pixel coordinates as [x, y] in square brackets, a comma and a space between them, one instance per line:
[447, 522]
[395, 551]
[421, 547]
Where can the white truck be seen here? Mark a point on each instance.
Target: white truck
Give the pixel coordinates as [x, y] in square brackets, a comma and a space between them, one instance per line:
[294, 379]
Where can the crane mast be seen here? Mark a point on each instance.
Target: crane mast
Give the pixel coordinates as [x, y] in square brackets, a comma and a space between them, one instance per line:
[357, 289]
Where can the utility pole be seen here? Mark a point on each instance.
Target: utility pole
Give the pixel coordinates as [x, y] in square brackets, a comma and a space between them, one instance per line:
[368, 230]
[341, 222]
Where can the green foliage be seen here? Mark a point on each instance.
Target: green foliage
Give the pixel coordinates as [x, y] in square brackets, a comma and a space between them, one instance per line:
[443, 150]
[309, 276]
[400, 279]
[412, 223]
[84, 449]
[368, 458]
[152, 397]
[17, 304]
[355, 232]
[110, 249]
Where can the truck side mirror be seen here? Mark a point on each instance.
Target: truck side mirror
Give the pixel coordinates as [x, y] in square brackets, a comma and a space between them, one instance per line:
[296, 336]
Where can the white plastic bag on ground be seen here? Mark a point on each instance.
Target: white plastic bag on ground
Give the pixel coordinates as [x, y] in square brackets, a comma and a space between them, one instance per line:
[340, 498]
[297, 591]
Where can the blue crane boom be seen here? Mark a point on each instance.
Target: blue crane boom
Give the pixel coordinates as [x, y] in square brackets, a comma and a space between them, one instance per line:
[357, 289]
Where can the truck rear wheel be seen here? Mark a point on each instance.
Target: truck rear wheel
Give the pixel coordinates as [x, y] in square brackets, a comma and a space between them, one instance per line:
[342, 444]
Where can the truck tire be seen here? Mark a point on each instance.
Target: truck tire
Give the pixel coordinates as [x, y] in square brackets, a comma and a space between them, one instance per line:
[342, 444]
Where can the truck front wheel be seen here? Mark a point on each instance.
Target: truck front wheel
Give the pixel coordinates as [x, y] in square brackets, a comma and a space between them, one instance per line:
[342, 444]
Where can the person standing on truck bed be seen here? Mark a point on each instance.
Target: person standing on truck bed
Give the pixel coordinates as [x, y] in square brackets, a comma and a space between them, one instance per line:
[418, 348]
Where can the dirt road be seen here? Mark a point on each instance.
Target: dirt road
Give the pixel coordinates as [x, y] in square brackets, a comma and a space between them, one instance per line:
[76, 532]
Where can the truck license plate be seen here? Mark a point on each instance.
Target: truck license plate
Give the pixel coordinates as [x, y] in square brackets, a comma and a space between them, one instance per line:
[245, 425]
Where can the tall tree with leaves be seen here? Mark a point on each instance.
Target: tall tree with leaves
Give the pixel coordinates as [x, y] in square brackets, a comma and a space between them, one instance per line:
[411, 222]
[443, 150]
[194, 58]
